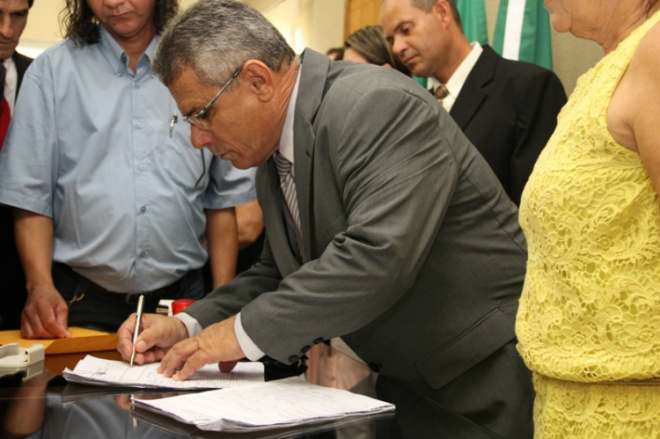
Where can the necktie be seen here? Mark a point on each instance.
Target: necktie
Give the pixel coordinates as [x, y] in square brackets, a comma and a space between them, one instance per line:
[441, 92]
[5, 112]
[288, 186]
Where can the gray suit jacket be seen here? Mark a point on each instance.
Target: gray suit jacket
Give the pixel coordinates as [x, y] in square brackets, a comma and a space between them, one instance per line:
[417, 259]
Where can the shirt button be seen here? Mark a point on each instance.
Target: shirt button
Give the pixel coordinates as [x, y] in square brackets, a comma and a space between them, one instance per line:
[143, 254]
[293, 359]
[143, 209]
[142, 167]
[140, 125]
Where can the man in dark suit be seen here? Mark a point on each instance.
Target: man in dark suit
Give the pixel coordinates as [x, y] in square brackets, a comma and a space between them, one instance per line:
[392, 233]
[13, 18]
[508, 109]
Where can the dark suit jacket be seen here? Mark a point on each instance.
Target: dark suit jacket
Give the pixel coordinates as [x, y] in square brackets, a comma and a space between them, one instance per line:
[12, 279]
[508, 110]
[417, 258]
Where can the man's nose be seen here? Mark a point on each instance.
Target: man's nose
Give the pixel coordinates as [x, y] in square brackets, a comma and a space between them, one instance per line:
[398, 47]
[200, 137]
[7, 29]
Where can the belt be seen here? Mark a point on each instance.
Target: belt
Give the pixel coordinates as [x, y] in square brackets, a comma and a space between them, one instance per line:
[172, 289]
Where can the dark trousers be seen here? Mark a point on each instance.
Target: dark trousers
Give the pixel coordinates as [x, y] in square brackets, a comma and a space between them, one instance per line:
[493, 400]
[93, 307]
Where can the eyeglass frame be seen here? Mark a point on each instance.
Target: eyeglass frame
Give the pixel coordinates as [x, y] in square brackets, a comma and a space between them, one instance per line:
[199, 119]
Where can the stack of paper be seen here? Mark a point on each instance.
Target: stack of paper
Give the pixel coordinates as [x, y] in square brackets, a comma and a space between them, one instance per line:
[275, 404]
[101, 372]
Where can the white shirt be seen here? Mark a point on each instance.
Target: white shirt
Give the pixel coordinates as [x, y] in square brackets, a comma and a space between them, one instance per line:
[11, 82]
[457, 80]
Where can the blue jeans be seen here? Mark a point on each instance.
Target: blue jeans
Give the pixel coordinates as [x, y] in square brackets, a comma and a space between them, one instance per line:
[93, 307]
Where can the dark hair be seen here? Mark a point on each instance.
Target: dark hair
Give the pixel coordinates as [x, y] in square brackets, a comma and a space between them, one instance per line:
[81, 25]
[427, 5]
[371, 44]
[337, 51]
[30, 2]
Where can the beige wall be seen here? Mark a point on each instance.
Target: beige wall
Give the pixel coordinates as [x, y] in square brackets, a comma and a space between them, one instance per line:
[571, 56]
[318, 24]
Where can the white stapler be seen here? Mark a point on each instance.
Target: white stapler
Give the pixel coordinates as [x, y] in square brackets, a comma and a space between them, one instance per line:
[14, 358]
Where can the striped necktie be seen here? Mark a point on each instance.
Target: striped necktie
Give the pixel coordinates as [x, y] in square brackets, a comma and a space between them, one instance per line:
[288, 186]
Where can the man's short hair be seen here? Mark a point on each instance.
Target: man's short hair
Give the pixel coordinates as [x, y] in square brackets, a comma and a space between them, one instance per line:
[427, 5]
[214, 38]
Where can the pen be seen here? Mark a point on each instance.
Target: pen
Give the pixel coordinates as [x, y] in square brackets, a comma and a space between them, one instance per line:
[137, 325]
[173, 120]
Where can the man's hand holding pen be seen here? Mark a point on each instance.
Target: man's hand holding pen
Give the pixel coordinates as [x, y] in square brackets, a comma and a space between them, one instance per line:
[157, 336]
[166, 339]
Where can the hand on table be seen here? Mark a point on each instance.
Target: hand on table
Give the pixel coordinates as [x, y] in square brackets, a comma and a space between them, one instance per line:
[215, 344]
[45, 314]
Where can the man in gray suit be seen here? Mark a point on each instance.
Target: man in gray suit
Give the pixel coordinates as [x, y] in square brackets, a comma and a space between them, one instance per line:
[408, 248]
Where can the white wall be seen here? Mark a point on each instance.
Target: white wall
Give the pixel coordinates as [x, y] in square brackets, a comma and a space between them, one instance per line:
[318, 24]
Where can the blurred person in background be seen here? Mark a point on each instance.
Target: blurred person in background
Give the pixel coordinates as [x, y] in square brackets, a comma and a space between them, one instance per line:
[368, 45]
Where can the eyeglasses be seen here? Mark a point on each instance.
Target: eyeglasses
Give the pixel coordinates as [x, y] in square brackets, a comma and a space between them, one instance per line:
[199, 119]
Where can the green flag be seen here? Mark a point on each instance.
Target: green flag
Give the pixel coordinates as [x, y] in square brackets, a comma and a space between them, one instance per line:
[473, 17]
[522, 32]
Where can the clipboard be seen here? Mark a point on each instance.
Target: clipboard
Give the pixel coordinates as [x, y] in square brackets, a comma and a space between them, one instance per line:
[82, 340]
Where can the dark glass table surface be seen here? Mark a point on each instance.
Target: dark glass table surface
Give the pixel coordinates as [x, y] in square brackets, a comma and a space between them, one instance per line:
[45, 406]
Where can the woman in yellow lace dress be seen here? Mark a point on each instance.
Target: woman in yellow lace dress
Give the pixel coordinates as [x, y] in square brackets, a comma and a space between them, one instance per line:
[589, 319]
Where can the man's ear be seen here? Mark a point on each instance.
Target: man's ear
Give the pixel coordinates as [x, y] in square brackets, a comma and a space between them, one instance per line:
[441, 11]
[259, 78]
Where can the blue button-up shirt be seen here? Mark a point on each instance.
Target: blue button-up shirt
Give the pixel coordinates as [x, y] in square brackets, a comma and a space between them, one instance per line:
[90, 145]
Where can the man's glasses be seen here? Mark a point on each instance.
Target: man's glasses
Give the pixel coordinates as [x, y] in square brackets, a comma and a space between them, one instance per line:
[200, 119]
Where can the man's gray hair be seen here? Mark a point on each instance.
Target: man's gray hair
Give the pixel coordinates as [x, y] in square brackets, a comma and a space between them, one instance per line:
[214, 38]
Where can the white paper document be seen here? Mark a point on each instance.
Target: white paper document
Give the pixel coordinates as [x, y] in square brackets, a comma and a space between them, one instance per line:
[101, 372]
[274, 404]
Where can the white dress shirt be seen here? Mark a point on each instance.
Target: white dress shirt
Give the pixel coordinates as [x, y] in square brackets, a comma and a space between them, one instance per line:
[11, 82]
[457, 80]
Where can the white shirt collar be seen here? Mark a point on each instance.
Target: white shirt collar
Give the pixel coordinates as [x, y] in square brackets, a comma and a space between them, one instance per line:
[457, 80]
[286, 139]
[11, 82]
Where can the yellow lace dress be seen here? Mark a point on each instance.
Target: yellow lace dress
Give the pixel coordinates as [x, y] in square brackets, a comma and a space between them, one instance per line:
[589, 318]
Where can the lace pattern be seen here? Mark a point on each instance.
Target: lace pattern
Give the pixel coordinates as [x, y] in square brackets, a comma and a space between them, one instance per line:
[568, 410]
[590, 309]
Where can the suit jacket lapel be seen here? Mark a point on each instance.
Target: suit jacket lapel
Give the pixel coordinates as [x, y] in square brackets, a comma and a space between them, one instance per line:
[270, 197]
[473, 93]
[303, 141]
[310, 94]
